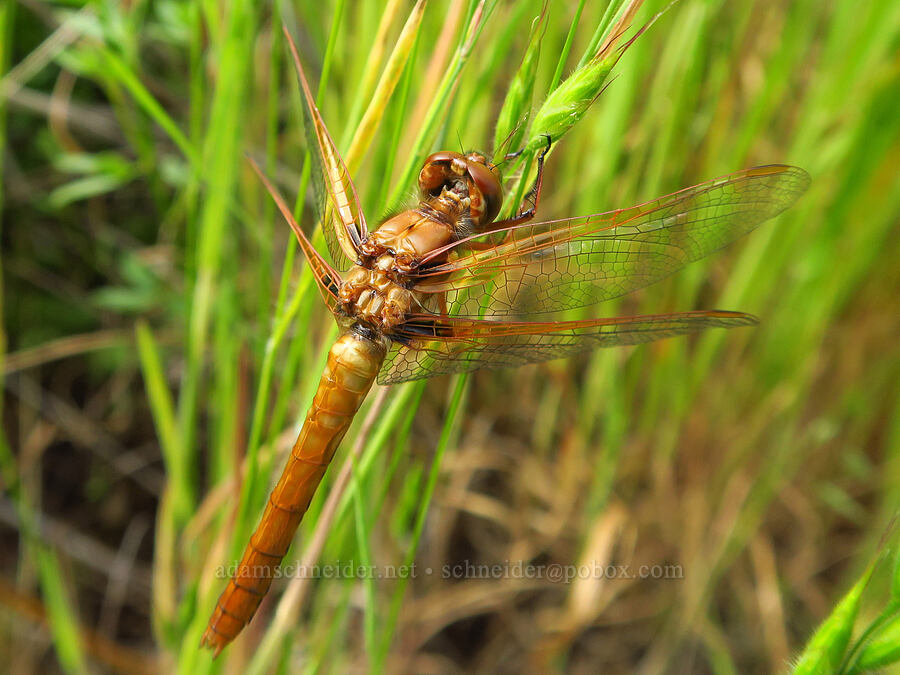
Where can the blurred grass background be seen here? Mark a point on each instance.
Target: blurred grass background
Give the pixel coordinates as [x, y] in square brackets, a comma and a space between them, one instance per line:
[162, 341]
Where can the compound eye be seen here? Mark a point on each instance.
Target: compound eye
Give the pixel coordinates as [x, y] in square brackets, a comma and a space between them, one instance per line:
[436, 172]
[487, 182]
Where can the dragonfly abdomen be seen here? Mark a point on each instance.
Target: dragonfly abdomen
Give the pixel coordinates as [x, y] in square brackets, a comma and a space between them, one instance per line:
[353, 363]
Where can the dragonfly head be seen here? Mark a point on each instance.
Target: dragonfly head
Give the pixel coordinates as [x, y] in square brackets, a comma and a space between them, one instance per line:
[470, 174]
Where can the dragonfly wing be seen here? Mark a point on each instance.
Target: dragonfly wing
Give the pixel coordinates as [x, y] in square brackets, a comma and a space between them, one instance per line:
[427, 345]
[327, 279]
[337, 204]
[574, 262]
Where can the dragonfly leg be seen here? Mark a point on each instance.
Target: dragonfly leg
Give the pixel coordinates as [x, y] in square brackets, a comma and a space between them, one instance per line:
[510, 155]
[532, 198]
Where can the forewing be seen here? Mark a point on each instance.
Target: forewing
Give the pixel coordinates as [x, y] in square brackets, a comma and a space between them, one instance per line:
[337, 204]
[427, 345]
[327, 279]
[574, 262]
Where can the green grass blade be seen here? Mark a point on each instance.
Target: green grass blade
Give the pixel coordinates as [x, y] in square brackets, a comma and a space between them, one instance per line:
[454, 408]
[826, 649]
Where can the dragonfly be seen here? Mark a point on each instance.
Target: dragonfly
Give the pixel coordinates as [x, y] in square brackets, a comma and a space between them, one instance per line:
[444, 287]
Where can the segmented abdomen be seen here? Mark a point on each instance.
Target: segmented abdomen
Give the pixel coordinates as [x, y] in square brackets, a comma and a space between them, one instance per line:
[353, 363]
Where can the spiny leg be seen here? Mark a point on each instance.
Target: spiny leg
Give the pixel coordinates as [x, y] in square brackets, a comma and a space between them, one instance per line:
[534, 194]
[532, 198]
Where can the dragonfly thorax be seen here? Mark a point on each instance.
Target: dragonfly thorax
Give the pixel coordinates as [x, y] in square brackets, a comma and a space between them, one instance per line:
[370, 295]
[459, 195]
[411, 235]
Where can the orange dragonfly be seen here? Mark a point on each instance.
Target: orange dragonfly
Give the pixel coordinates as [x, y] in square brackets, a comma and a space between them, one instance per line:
[427, 292]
